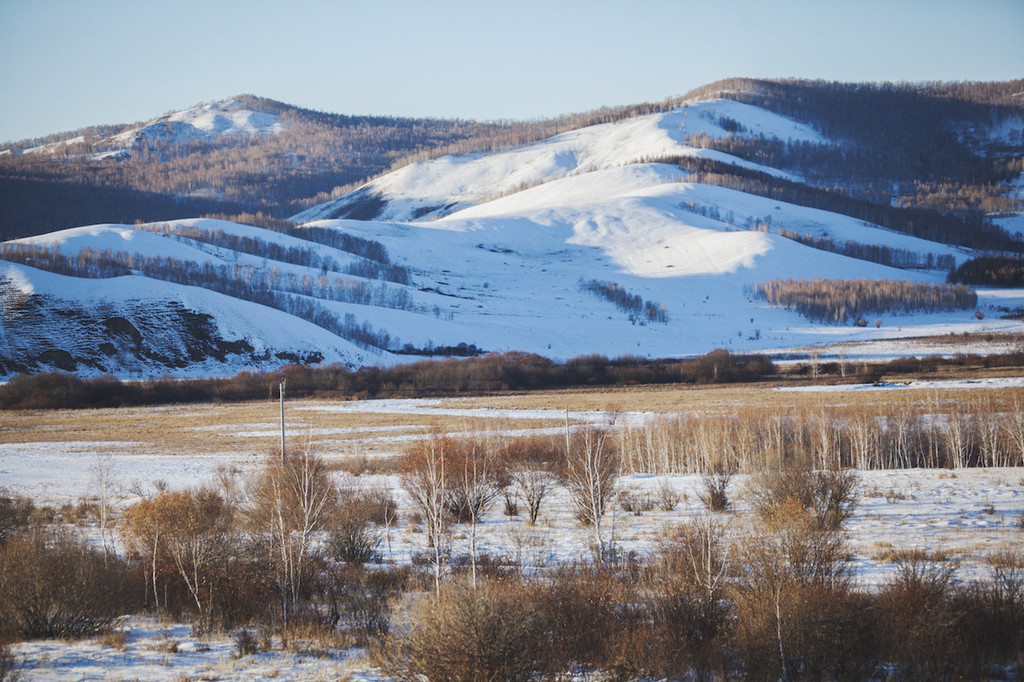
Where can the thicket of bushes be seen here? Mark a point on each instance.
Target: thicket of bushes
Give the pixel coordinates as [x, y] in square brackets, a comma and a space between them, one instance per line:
[55, 585]
[772, 600]
[490, 373]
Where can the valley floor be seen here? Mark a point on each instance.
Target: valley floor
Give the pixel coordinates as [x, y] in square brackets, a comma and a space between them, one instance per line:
[961, 517]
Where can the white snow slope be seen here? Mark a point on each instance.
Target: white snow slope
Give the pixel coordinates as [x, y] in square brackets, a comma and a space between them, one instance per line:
[204, 122]
[503, 241]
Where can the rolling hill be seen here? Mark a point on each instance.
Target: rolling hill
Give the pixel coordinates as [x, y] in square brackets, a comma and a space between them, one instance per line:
[646, 233]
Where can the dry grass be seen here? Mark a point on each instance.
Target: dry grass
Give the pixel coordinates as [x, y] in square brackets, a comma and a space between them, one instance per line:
[355, 439]
[889, 554]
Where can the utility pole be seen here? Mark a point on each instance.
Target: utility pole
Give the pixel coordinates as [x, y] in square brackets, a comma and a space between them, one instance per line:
[282, 418]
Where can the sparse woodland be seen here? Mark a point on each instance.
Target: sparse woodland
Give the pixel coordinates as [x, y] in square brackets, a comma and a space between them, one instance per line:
[891, 133]
[837, 301]
[638, 308]
[971, 229]
[285, 291]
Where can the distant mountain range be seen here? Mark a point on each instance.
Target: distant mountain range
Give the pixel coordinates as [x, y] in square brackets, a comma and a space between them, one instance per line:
[645, 230]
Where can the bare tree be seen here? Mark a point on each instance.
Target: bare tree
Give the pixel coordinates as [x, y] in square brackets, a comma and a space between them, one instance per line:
[197, 527]
[1013, 426]
[959, 436]
[104, 478]
[424, 477]
[290, 500]
[475, 486]
[591, 469]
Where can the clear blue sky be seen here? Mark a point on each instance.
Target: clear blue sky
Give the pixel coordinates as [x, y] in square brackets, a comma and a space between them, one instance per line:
[66, 64]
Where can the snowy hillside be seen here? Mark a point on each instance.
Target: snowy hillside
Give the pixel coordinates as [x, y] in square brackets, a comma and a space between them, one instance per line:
[520, 250]
[208, 123]
[437, 187]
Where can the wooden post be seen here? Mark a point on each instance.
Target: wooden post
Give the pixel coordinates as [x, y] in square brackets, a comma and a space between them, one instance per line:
[282, 419]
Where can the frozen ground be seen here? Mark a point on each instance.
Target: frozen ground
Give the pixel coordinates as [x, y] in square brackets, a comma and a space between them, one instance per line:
[966, 515]
[159, 651]
[1008, 382]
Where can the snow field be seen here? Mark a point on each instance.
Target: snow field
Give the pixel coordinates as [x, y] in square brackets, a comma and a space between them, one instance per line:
[968, 512]
[962, 516]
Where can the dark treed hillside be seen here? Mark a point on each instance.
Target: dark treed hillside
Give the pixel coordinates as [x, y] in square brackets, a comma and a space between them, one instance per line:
[32, 206]
[275, 174]
[929, 141]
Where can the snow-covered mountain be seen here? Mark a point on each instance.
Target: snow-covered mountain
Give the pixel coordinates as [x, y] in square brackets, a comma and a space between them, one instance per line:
[520, 250]
[209, 123]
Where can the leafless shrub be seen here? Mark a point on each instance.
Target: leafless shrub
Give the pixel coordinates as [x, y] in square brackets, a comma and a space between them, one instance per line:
[511, 500]
[246, 643]
[311, 632]
[474, 481]
[990, 619]
[491, 632]
[667, 496]
[167, 645]
[53, 584]
[920, 625]
[528, 550]
[115, 639]
[581, 608]
[16, 512]
[792, 591]
[527, 466]
[715, 489]
[635, 502]
[807, 632]
[903, 555]
[358, 522]
[533, 485]
[9, 665]
[684, 588]
[827, 497]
